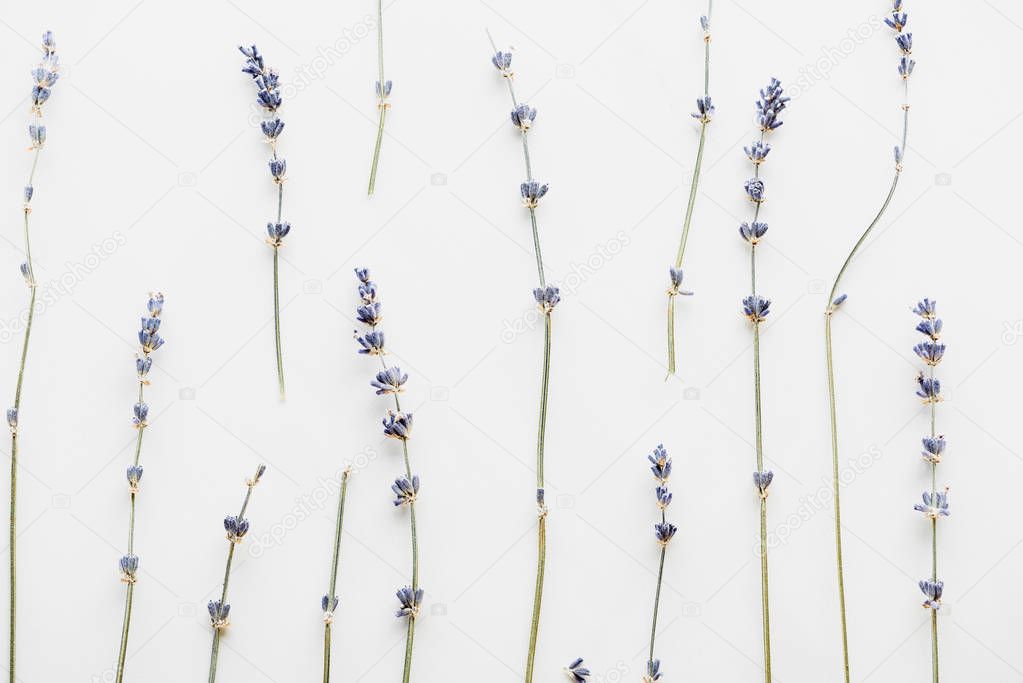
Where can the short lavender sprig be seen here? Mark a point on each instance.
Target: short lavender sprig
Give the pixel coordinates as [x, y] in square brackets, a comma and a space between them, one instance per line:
[704, 113]
[330, 600]
[664, 531]
[397, 425]
[149, 341]
[268, 98]
[547, 297]
[934, 505]
[756, 308]
[383, 90]
[220, 611]
[44, 77]
[904, 40]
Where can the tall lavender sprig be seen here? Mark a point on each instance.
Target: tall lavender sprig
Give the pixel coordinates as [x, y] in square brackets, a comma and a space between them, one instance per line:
[383, 90]
[769, 107]
[935, 502]
[547, 297]
[704, 113]
[220, 611]
[904, 40]
[664, 531]
[149, 341]
[268, 98]
[390, 380]
[44, 77]
[330, 601]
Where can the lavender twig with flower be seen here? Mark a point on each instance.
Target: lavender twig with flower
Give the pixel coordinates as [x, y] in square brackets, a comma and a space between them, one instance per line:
[935, 502]
[330, 601]
[547, 297]
[149, 341]
[397, 425]
[664, 531]
[383, 90]
[756, 308]
[897, 22]
[704, 113]
[44, 76]
[268, 97]
[220, 610]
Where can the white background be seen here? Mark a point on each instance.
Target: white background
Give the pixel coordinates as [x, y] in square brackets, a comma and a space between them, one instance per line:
[154, 177]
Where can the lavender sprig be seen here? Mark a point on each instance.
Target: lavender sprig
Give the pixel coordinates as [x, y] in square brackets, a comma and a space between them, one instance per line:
[769, 106]
[330, 601]
[904, 41]
[397, 425]
[44, 77]
[547, 297]
[268, 98]
[149, 341]
[935, 502]
[383, 90]
[220, 610]
[663, 531]
[704, 113]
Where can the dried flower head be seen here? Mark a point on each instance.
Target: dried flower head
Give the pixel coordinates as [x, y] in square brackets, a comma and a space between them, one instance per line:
[934, 447]
[653, 671]
[704, 109]
[932, 590]
[410, 601]
[547, 297]
[762, 480]
[664, 531]
[675, 275]
[532, 192]
[934, 505]
[129, 565]
[756, 308]
[577, 672]
[390, 381]
[398, 425]
[752, 232]
[522, 117]
[660, 464]
[236, 528]
[220, 613]
[405, 491]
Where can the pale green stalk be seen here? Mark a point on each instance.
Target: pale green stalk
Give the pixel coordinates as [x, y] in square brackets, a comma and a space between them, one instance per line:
[328, 619]
[934, 545]
[277, 297]
[830, 367]
[218, 629]
[691, 204]
[13, 535]
[541, 536]
[382, 104]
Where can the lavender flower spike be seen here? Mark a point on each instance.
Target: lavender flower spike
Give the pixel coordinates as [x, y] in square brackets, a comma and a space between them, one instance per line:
[547, 297]
[219, 609]
[934, 503]
[383, 92]
[44, 77]
[664, 531]
[704, 114]
[768, 107]
[149, 341]
[897, 22]
[268, 98]
[390, 381]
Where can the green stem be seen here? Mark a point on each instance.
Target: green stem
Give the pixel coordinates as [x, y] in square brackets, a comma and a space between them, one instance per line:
[277, 323]
[332, 588]
[934, 544]
[122, 652]
[215, 648]
[13, 537]
[693, 185]
[534, 627]
[657, 604]
[382, 105]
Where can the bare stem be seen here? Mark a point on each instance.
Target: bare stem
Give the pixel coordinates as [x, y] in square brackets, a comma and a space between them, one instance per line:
[382, 105]
[277, 323]
[335, 562]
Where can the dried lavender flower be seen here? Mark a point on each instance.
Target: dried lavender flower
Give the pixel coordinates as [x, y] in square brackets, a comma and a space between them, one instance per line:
[577, 672]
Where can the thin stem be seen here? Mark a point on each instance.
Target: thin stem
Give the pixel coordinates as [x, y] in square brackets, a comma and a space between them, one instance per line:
[277, 323]
[832, 404]
[13, 535]
[534, 624]
[382, 104]
[215, 648]
[934, 542]
[693, 185]
[657, 603]
[335, 562]
[129, 596]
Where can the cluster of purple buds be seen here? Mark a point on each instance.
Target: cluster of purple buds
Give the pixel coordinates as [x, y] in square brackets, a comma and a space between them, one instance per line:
[752, 232]
[770, 105]
[664, 531]
[129, 565]
[756, 308]
[236, 528]
[149, 334]
[276, 232]
[220, 613]
[268, 94]
[653, 671]
[933, 505]
[383, 92]
[675, 275]
[405, 490]
[532, 192]
[704, 109]
[761, 481]
[134, 475]
[522, 117]
[932, 592]
[502, 62]
[547, 297]
[329, 605]
[44, 77]
[409, 601]
[576, 672]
